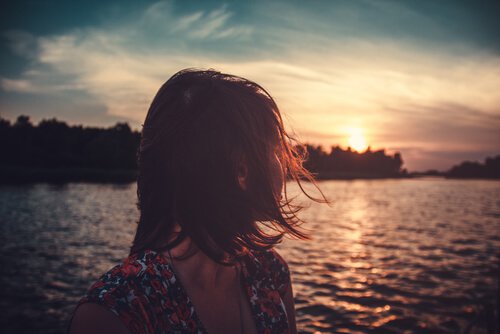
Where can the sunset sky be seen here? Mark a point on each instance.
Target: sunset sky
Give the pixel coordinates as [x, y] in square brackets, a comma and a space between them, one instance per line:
[418, 77]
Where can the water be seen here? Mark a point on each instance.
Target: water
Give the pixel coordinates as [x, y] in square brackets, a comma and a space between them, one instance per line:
[388, 256]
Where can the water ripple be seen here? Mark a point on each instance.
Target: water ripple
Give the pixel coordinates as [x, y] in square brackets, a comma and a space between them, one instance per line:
[389, 256]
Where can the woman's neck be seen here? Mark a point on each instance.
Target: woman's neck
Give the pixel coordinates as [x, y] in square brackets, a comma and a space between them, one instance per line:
[199, 269]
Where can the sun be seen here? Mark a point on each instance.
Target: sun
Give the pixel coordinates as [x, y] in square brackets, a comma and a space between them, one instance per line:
[357, 139]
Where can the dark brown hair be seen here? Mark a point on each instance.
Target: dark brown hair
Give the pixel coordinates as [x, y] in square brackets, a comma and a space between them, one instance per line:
[198, 127]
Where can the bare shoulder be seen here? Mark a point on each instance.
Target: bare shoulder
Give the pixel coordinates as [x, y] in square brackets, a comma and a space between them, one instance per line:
[93, 318]
[109, 305]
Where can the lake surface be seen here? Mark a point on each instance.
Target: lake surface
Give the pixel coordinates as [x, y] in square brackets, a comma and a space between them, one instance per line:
[387, 256]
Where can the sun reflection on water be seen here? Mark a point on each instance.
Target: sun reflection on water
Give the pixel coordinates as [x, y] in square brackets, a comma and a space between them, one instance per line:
[384, 257]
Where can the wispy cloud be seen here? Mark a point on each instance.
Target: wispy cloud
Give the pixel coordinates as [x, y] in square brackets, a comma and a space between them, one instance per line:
[186, 21]
[107, 63]
[21, 43]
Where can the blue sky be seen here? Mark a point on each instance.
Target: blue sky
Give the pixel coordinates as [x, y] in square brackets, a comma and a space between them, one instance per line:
[418, 77]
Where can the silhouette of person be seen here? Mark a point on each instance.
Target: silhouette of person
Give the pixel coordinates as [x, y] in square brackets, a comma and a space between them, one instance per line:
[213, 160]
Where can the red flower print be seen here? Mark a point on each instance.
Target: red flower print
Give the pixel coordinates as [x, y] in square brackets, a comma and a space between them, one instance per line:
[191, 324]
[131, 269]
[98, 284]
[183, 311]
[274, 296]
[156, 284]
[268, 308]
[135, 327]
[174, 318]
[167, 274]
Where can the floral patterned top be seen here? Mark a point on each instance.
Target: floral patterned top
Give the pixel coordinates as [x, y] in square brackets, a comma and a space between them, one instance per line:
[146, 295]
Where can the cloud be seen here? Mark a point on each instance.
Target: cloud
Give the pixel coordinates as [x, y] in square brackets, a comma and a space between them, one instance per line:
[108, 64]
[214, 21]
[21, 43]
[162, 22]
[323, 80]
[19, 85]
[186, 21]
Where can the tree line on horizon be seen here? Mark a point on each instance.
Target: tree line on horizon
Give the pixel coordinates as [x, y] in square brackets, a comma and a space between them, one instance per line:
[55, 144]
[29, 151]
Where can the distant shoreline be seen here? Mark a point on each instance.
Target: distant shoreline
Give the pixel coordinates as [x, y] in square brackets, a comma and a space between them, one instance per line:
[13, 175]
[23, 175]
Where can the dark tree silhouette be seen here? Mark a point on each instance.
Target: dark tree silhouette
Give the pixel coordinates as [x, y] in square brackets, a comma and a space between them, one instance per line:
[55, 151]
[347, 163]
[468, 169]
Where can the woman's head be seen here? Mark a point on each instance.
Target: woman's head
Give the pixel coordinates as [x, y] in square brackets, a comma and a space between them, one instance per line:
[213, 158]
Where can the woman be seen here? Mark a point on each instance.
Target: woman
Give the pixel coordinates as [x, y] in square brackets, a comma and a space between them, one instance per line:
[213, 160]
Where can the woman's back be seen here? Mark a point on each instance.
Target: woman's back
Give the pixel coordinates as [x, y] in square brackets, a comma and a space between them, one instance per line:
[148, 297]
